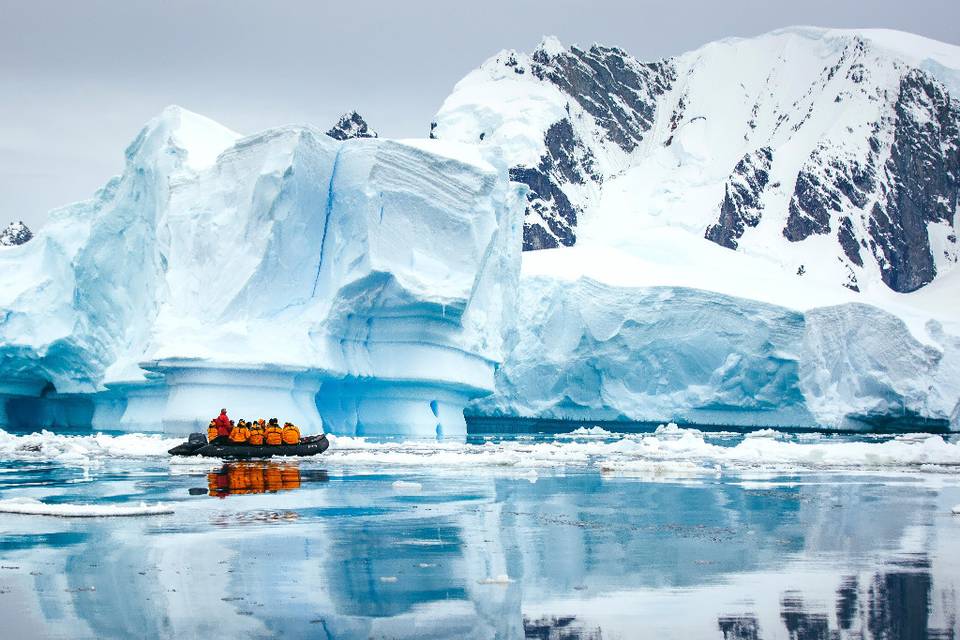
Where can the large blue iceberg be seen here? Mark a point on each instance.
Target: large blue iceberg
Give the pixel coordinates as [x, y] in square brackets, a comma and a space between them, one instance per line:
[273, 274]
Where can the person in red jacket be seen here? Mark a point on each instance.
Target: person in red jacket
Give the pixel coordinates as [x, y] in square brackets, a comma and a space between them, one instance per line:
[223, 425]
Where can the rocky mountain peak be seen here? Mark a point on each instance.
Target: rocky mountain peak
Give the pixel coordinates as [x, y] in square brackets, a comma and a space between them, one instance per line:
[837, 150]
[16, 233]
[351, 125]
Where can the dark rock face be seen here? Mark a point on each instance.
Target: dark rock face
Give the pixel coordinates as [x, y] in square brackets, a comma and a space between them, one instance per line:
[896, 192]
[848, 242]
[16, 233]
[551, 218]
[351, 125]
[619, 92]
[621, 95]
[810, 209]
[825, 186]
[923, 174]
[741, 201]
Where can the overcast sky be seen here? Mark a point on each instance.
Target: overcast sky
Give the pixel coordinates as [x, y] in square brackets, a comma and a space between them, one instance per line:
[78, 79]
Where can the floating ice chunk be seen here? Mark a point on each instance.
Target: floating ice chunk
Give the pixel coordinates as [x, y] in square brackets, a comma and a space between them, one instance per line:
[672, 430]
[402, 486]
[653, 470]
[587, 432]
[31, 506]
[763, 433]
[530, 476]
[671, 427]
[388, 579]
[956, 510]
[583, 349]
[500, 579]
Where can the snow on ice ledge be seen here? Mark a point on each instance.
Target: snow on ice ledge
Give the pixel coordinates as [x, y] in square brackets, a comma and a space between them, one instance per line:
[250, 272]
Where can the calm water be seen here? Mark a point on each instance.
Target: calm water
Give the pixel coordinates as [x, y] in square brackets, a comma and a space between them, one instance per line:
[328, 550]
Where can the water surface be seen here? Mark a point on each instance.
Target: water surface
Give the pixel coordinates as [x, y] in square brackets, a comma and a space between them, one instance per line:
[379, 547]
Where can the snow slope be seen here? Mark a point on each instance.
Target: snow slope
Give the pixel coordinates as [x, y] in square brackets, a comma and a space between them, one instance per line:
[253, 270]
[806, 147]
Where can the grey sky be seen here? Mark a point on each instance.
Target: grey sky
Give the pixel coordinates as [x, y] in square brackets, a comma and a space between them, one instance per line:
[79, 78]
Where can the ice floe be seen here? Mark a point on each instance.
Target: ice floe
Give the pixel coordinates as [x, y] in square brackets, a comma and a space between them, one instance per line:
[33, 507]
[46, 445]
[670, 451]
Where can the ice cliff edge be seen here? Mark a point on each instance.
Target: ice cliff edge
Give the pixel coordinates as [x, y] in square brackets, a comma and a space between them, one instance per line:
[264, 272]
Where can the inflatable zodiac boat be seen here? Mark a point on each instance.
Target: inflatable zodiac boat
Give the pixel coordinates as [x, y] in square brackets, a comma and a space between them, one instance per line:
[197, 445]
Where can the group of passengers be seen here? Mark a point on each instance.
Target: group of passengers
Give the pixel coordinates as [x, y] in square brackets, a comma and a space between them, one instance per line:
[222, 430]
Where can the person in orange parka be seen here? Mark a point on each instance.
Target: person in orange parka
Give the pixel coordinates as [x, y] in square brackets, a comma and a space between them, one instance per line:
[223, 425]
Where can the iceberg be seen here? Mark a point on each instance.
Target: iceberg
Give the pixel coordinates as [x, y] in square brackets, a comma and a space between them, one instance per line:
[583, 349]
[587, 351]
[280, 274]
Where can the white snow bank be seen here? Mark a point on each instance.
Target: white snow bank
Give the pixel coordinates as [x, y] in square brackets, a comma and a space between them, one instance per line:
[46, 445]
[33, 507]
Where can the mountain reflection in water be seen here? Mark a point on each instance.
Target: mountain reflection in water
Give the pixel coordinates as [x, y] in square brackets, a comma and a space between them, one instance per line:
[894, 605]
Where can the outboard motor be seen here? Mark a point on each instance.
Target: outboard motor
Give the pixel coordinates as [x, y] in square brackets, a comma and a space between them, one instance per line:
[195, 442]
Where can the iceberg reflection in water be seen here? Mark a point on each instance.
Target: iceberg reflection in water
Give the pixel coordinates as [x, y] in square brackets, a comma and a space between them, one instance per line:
[381, 548]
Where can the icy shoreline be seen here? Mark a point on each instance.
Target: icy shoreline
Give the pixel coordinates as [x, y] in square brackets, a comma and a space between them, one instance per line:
[670, 451]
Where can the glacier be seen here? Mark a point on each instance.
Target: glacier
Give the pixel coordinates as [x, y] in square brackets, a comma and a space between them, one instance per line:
[273, 274]
[762, 231]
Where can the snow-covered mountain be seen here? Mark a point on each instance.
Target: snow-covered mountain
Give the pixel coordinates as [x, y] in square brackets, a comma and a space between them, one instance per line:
[15, 234]
[351, 125]
[833, 155]
[726, 236]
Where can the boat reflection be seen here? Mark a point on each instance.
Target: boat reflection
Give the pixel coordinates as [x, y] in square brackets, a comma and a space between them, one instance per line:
[244, 478]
